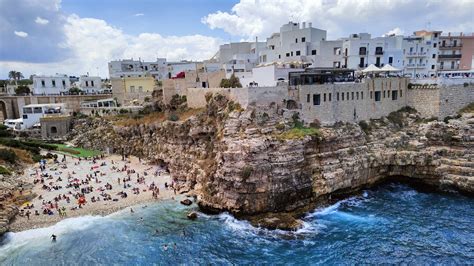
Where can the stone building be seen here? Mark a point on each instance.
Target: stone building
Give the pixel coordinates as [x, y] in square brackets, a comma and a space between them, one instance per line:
[55, 127]
[133, 90]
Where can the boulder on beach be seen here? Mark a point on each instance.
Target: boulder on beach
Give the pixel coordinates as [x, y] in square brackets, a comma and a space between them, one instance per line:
[186, 202]
[192, 216]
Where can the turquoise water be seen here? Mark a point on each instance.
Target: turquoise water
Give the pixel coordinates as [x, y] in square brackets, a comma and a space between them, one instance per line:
[389, 224]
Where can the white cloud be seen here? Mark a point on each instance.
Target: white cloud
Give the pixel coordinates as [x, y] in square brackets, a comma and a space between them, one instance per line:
[21, 34]
[250, 18]
[41, 21]
[395, 31]
[139, 14]
[94, 42]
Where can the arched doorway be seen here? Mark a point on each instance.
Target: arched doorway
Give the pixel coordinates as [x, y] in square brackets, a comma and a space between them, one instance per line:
[291, 105]
[3, 110]
[54, 130]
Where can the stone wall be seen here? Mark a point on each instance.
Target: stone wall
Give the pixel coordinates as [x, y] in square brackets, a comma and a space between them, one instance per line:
[55, 127]
[351, 102]
[425, 101]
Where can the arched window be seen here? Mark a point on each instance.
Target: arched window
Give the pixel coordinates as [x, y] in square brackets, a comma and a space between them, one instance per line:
[54, 130]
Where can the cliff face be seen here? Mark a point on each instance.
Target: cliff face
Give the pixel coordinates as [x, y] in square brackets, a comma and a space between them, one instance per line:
[242, 162]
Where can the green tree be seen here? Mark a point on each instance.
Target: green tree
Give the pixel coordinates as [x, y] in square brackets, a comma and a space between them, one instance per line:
[75, 91]
[22, 89]
[232, 82]
[15, 75]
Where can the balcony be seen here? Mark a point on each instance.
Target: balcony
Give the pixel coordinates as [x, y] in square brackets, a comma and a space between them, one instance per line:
[416, 54]
[449, 56]
[451, 46]
[378, 52]
[415, 65]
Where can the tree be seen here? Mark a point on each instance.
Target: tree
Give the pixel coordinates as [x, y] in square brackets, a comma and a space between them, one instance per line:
[22, 89]
[75, 91]
[15, 75]
[232, 82]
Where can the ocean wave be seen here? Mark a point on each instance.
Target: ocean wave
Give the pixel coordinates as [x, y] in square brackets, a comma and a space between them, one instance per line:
[40, 236]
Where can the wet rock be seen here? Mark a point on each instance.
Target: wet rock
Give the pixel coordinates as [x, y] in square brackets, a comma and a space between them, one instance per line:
[192, 215]
[273, 221]
[186, 202]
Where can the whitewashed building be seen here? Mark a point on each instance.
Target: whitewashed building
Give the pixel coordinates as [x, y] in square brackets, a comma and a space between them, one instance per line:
[51, 85]
[32, 113]
[137, 68]
[420, 53]
[90, 84]
[268, 75]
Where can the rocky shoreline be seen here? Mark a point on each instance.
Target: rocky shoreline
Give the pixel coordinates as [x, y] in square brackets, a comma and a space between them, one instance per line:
[247, 163]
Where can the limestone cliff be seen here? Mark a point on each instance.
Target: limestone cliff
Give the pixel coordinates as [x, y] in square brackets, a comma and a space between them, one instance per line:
[242, 161]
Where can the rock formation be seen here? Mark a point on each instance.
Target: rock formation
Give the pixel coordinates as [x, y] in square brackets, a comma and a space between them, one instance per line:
[244, 162]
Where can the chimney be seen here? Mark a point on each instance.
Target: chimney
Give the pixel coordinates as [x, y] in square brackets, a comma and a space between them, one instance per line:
[310, 24]
[304, 25]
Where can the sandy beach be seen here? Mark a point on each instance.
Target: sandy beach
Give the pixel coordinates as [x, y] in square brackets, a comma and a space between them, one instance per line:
[76, 187]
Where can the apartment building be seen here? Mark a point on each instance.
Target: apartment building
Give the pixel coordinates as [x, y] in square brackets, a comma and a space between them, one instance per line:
[90, 84]
[138, 68]
[51, 85]
[456, 52]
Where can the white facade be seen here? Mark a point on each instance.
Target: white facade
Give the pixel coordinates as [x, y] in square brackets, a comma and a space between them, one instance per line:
[32, 113]
[421, 54]
[360, 50]
[51, 85]
[176, 67]
[267, 76]
[138, 68]
[90, 84]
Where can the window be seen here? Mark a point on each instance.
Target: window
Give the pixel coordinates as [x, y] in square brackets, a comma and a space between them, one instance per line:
[324, 97]
[342, 99]
[54, 83]
[433, 56]
[347, 96]
[38, 110]
[377, 96]
[92, 83]
[330, 96]
[390, 60]
[357, 95]
[64, 83]
[394, 95]
[316, 99]
[140, 89]
[352, 95]
[434, 45]
[87, 83]
[54, 130]
[361, 95]
[411, 50]
[42, 83]
[298, 53]
[378, 50]
[308, 98]
[303, 39]
[362, 50]
[27, 110]
[296, 40]
[287, 54]
[432, 66]
[401, 95]
[313, 52]
[132, 88]
[384, 94]
[337, 96]
[146, 68]
[279, 56]
[291, 53]
[25, 116]
[361, 62]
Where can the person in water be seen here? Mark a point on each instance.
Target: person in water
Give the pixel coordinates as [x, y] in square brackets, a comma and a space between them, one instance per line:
[53, 237]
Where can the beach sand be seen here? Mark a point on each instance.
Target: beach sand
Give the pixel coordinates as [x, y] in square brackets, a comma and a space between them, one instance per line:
[81, 169]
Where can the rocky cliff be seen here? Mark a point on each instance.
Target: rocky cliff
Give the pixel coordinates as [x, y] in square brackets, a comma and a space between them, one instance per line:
[255, 161]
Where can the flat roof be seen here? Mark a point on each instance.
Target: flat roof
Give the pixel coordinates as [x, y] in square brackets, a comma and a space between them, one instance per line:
[44, 105]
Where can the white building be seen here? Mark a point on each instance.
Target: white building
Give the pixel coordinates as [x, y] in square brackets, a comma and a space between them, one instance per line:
[138, 68]
[90, 84]
[50, 85]
[420, 53]
[32, 113]
[268, 75]
[360, 50]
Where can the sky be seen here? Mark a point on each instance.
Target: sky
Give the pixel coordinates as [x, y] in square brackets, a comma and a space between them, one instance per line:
[76, 37]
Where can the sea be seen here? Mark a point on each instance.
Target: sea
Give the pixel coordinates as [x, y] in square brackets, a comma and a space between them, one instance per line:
[390, 224]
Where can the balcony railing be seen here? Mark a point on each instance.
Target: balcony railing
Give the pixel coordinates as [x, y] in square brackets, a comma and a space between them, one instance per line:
[416, 54]
[450, 46]
[416, 65]
[449, 56]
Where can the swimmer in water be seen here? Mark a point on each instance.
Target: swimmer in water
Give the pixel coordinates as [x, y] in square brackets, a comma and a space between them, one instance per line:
[131, 210]
[53, 236]
[165, 247]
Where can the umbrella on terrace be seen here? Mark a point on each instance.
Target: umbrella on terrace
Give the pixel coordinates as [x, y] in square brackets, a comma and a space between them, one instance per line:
[372, 69]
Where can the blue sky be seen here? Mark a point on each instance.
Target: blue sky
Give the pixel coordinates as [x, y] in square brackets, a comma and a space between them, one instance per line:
[79, 36]
[181, 17]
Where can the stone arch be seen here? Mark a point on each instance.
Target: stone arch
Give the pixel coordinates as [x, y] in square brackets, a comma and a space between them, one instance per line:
[291, 105]
[3, 110]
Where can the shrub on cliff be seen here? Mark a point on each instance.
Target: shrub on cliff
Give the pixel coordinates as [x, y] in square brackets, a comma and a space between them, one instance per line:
[246, 172]
[232, 82]
[366, 127]
[173, 117]
[8, 155]
[4, 171]
[467, 109]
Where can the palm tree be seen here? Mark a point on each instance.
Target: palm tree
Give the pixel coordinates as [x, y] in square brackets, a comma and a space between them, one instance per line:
[15, 75]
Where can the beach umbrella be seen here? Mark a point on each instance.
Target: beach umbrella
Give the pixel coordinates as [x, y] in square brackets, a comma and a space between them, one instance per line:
[371, 69]
[389, 68]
